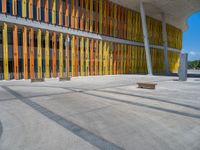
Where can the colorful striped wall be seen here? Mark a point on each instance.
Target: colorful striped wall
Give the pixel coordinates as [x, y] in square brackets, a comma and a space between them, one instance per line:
[45, 54]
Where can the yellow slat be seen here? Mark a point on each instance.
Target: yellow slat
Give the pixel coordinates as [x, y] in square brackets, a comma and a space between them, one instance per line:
[39, 53]
[61, 55]
[100, 57]
[24, 8]
[47, 71]
[5, 51]
[87, 57]
[73, 55]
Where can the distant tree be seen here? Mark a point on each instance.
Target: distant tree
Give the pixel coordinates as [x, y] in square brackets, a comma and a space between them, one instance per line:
[194, 64]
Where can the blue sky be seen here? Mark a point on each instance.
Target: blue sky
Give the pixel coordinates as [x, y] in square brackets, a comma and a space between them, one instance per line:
[191, 38]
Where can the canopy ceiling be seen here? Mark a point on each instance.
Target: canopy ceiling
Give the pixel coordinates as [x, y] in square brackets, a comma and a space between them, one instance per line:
[176, 11]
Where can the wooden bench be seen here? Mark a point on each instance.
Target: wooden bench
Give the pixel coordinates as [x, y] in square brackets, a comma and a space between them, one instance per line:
[64, 78]
[37, 80]
[146, 85]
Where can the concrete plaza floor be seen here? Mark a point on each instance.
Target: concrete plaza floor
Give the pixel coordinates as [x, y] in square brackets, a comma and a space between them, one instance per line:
[104, 112]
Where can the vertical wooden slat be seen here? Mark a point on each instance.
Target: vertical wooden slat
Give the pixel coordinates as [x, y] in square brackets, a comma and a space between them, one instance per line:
[82, 56]
[14, 7]
[91, 57]
[100, 16]
[96, 16]
[87, 15]
[100, 57]
[30, 9]
[111, 19]
[121, 58]
[76, 55]
[24, 8]
[47, 71]
[76, 15]
[72, 13]
[38, 10]
[107, 49]
[39, 53]
[60, 55]
[124, 59]
[118, 58]
[54, 48]
[82, 16]
[67, 56]
[87, 57]
[66, 13]
[60, 13]
[46, 11]
[15, 52]
[111, 59]
[91, 15]
[115, 20]
[5, 51]
[4, 6]
[114, 58]
[122, 23]
[25, 52]
[53, 11]
[119, 21]
[31, 52]
[125, 23]
[105, 17]
[73, 55]
[96, 57]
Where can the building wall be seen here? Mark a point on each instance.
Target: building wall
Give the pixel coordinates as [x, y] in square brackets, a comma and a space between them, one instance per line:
[40, 53]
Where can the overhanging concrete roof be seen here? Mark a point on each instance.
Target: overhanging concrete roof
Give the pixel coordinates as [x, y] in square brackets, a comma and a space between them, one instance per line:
[176, 11]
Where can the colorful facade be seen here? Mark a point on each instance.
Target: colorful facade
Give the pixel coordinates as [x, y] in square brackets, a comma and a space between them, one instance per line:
[28, 52]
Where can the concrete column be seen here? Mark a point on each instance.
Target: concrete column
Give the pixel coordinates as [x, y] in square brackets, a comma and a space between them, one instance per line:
[164, 35]
[146, 40]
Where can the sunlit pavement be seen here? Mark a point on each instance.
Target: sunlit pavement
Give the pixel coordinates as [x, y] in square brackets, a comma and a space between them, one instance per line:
[104, 112]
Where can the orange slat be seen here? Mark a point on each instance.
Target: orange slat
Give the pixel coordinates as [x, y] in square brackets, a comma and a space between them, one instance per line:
[81, 15]
[38, 10]
[87, 21]
[107, 17]
[46, 10]
[30, 9]
[66, 13]
[119, 21]
[25, 52]
[115, 59]
[60, 10]
[72, 13]
[4, 6]
[122, 22]
[96, 57]
[76, 56]
[111, 18]
[125, 22]
[31, 52]
[76, 14]
[15, 50]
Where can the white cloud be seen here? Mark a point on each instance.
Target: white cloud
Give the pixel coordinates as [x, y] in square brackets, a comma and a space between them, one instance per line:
[192, 53]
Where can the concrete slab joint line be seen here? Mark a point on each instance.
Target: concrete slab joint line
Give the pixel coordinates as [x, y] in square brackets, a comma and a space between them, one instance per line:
[185, 114]
[85, 134]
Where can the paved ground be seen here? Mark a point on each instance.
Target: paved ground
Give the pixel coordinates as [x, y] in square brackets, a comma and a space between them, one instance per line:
[108, 113]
